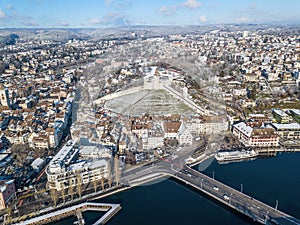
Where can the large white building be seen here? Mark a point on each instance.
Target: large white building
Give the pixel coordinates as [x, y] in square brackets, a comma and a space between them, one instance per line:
[255, 136]
[287, 131]
[206, 124]
[65, 170]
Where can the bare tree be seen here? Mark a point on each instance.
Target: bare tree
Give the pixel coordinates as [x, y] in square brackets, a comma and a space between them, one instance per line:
[79, 184]
[63, 192]
[95, 182]
[54, 196]
[20, 152]
[102, 182]
[109, 179]
[117, 170]
[71, 192]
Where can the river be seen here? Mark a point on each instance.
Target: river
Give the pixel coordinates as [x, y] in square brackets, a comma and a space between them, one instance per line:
[167, 202]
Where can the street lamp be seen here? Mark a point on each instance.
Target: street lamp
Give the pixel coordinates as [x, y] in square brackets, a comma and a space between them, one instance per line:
[276, 204]
[241, 188]
[201, 182]
[266, 217]
[213, 174]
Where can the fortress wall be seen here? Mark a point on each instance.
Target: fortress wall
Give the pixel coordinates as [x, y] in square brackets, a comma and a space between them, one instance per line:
[119, 94]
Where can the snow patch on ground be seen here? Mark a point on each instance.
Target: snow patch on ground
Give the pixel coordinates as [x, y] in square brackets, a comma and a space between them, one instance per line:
[154, 102]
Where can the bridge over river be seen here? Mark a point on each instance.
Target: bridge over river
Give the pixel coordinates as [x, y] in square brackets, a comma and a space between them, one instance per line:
[240, 202]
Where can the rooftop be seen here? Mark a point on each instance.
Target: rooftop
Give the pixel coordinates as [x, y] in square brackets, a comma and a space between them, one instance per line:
[242, 126]
[296, 111]
[64, 156]
[280, 112]
[171, 127]
[286, 126]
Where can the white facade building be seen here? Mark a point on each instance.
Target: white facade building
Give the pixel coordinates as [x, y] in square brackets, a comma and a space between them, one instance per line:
[184, 135]
[64, 171]
[4, 96]
[255, 136]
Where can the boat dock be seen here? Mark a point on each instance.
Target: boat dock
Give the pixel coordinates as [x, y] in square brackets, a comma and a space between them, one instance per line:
[274, 151]
[77, 210]
[239, 156]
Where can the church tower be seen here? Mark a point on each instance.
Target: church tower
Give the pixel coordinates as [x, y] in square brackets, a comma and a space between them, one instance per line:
[156, 82]
[4, 97]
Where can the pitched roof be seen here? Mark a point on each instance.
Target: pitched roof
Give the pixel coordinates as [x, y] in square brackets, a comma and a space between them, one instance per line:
[171, 127]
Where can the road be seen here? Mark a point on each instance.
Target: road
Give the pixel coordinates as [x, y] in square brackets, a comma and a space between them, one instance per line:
[255, 209]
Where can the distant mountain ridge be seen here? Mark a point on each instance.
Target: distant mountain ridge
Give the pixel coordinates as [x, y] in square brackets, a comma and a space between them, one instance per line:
[65, 34]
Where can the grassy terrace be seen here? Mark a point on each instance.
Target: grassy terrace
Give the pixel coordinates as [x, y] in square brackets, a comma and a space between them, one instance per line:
[156, 102]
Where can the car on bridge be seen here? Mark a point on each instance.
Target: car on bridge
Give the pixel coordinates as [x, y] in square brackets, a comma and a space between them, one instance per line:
[225, 197]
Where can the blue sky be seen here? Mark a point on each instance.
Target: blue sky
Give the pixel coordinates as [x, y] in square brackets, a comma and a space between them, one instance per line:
[103, 13]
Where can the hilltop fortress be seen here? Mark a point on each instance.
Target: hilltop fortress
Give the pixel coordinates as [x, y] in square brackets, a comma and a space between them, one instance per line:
[156, 78]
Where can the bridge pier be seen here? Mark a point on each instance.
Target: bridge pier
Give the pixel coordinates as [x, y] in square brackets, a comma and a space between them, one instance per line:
[80, 217]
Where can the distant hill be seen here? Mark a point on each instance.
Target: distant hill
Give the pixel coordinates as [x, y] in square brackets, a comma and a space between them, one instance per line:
[9, 36]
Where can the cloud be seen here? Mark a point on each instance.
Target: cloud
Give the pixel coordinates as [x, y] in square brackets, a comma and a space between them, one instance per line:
[250, 11]
[64, 24]
[171, 10]
[31, 23]
[243, 19]
[108, 2]
[214, 5]
[95, 21]
[112, 18]
[118, 4]
[9, 7]
[254, 14]
[203, 19]
[168, 11]
[115, 18]
[252, 6]
[3, 15]
[191, 4]
[123, 4]
[140, 22]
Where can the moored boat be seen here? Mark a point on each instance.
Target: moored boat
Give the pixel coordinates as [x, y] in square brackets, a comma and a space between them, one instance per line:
[232, 156]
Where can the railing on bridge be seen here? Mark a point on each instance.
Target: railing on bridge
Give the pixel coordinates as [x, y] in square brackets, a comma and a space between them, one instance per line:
[245, 204]
[252, 208]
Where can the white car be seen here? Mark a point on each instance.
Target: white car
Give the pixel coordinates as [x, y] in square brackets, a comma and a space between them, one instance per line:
[226, 197]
